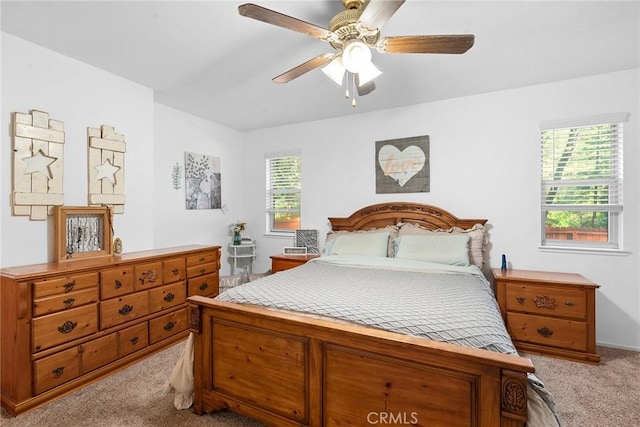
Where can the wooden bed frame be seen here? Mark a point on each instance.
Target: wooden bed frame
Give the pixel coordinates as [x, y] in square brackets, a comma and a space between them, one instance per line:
[290, 369]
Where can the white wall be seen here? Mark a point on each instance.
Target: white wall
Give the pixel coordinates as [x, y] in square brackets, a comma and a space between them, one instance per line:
[34, 78]
[484, 163]
[157, 137]
[175, 133]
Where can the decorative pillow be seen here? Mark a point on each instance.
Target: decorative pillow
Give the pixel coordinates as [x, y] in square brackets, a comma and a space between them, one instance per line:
[476, 235]
[392, 231]
[372, 244]
[435, 247]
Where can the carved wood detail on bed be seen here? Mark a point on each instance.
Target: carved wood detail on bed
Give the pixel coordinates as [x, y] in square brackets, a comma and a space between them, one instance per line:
[384, 214]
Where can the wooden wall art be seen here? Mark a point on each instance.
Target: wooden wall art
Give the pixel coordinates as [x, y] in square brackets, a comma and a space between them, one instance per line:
[38, 160]
[106, 168]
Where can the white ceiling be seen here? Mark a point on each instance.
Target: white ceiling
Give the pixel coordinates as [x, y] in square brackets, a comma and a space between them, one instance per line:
[202, 57]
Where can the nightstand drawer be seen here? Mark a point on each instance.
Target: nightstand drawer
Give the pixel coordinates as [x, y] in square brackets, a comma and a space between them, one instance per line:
[548, 301]
[548, 331]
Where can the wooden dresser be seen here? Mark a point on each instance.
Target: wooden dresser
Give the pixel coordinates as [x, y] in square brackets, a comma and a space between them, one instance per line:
[68, 324]
[285, 262]
[549, 313]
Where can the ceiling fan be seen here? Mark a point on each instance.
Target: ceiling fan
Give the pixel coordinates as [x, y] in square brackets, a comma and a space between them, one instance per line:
[353, 32]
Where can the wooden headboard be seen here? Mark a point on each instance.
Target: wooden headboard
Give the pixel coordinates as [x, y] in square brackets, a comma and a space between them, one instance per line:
[392, 213]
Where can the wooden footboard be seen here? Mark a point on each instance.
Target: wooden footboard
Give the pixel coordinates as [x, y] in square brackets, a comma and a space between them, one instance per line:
[288, 369]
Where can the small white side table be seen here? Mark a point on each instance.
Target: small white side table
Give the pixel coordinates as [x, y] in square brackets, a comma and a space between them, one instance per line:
[242, 256]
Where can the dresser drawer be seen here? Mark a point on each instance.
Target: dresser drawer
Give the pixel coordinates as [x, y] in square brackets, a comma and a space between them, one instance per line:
[168, 296]
[58, 328]
[202, 258]
[59, 302]
[133, 339]
[165, 326]
[546, 300]
[116, 282]
[207, 285]
[174, 270]
[120, 310]
[202, 269]
[98, 352]
[566, 334]
[52, 371]
[66, 284]
[148, 275]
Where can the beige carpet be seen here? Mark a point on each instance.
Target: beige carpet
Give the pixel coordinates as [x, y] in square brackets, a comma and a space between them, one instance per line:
[586, 396]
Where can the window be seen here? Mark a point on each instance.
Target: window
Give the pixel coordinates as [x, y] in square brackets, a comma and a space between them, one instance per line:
[283, 193]
[582, 182]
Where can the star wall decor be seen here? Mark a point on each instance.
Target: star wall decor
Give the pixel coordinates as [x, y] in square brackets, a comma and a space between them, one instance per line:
[107, 171]
[38, 164]
[106, 168]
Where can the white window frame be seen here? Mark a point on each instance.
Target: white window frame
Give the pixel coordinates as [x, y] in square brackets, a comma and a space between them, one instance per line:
[270, 210]
[614, 208]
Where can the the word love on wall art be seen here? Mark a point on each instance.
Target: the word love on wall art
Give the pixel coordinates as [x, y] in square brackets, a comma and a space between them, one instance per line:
[402, 165]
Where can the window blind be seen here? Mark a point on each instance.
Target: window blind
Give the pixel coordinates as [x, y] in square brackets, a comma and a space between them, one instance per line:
[283, 185]
[582, 168]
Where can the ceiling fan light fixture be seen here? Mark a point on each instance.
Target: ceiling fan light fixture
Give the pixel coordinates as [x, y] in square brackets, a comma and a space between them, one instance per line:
[356, 55]
[335, 70]
[367, 73]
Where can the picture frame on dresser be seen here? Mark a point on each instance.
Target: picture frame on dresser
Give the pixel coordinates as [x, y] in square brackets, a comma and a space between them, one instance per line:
[82, 232]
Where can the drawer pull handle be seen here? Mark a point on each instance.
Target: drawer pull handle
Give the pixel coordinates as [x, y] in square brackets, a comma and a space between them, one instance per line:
[545, 302]
[204, 286]
[67, 327]
[175, 271]
[68, 302]
[169, 297]
[126, 309]
[545, 332]
[169, 326]
[569, 304]
[57, 373]
[118, 284]
[148, 276]
[68, 287]
[201, 259]
[134, 340]
[520, 299]
[202, 271]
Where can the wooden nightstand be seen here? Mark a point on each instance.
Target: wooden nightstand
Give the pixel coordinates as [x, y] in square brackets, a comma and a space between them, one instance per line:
[548, 313]
[285, 262]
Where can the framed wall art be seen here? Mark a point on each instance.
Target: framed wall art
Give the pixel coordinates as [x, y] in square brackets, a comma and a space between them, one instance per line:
[307, 239]
[82, 232]
[402, 165]
[202, 181]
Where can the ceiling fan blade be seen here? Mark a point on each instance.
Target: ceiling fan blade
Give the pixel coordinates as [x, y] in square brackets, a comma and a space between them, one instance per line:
[378, 12]
[269, 16]
[457, 43]
[366, 88]
[312, 64]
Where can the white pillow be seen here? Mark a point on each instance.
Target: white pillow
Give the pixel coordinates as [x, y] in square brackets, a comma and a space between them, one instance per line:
[441, 248]
[331, 235]
[372, 244]
[477, 242]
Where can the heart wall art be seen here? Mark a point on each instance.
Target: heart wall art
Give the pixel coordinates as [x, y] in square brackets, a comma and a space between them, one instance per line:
[402, 165]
